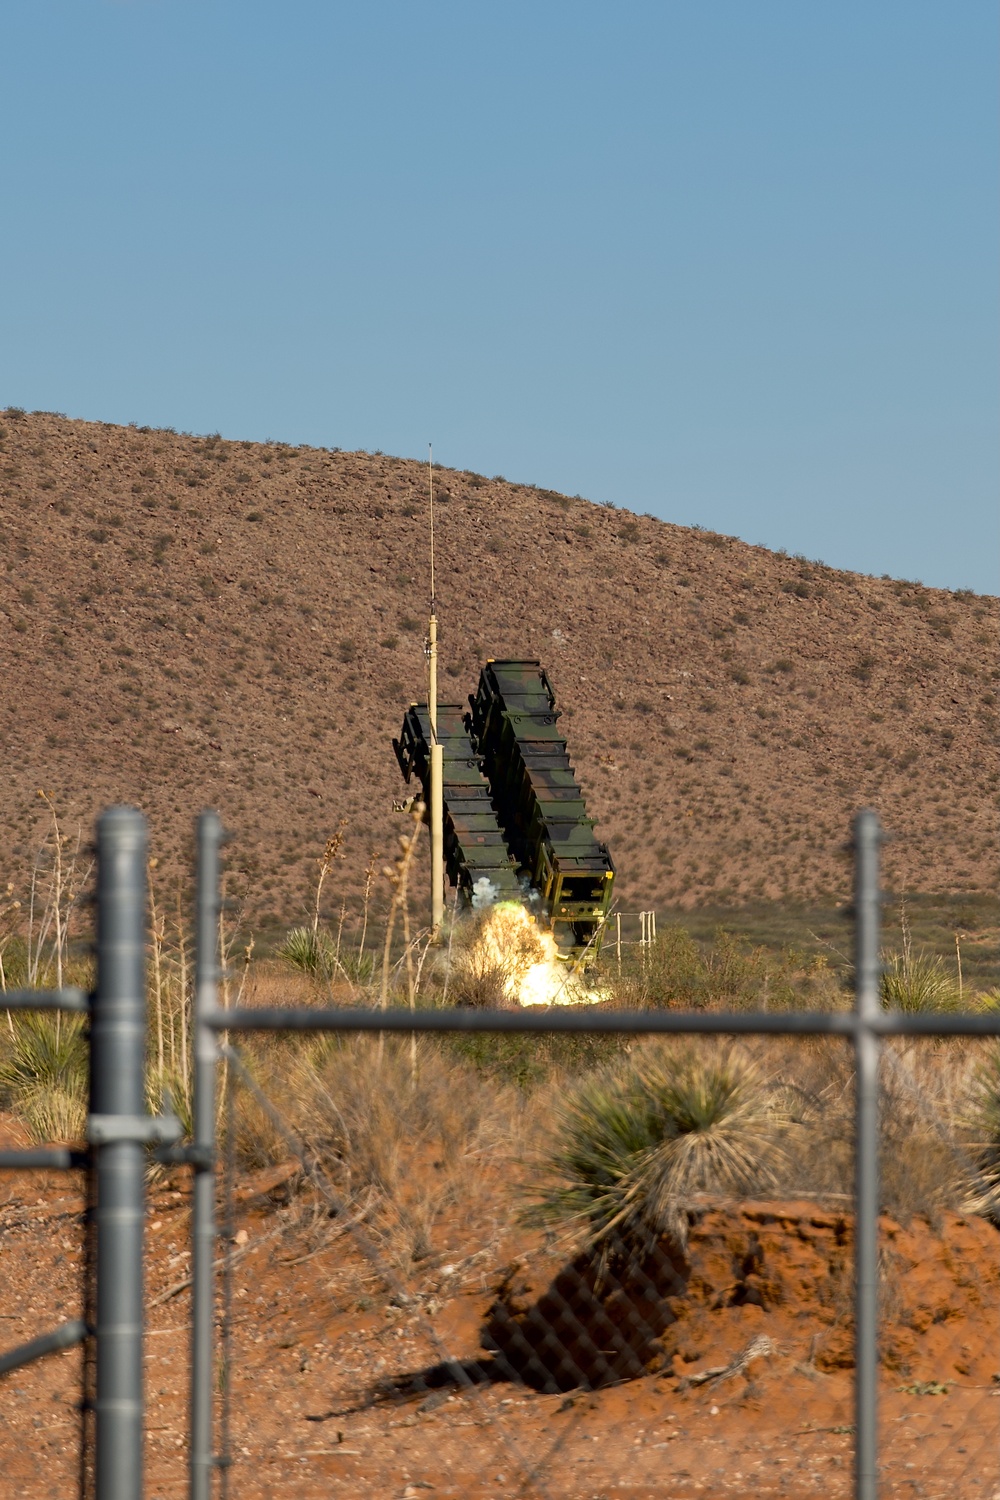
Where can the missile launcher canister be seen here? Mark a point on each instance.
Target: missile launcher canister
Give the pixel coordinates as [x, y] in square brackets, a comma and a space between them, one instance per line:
[475, 849]
[515, 822]
[513, 724]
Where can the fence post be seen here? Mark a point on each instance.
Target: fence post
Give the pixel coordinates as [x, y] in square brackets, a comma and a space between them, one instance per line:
[867, 902]
[206, 982]
[117, 1095]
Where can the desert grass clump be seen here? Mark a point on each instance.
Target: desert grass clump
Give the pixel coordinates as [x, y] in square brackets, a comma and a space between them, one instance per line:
[43, 1075]
[404, 1149]
[635, 1142]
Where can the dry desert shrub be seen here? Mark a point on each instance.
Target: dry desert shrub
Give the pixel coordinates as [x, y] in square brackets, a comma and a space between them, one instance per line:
[634, 1142]
[731, 973]
[981, 1129]
[403, 1150]
[925, 1163]
[482, 970]
[925, 1157]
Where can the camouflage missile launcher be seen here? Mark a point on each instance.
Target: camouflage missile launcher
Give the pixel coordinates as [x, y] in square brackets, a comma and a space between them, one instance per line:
[474, 845]
[522, 826]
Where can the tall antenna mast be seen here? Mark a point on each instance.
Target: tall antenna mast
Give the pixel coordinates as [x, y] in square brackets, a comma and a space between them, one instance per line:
[430, 491]
[437, 754]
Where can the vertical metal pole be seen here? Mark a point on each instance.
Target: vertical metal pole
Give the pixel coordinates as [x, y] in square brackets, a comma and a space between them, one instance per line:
[206, 982]
[867, 902]
[435, 812]
[436, 809]
[117, 1088]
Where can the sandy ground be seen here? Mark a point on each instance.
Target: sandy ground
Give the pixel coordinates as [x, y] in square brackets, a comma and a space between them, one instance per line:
[335, 1388]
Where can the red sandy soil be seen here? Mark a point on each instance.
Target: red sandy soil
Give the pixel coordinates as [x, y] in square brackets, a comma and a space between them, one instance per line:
[333, 1390]
[187, 621]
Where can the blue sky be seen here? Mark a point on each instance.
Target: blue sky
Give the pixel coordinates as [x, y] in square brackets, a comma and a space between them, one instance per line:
[731, 262]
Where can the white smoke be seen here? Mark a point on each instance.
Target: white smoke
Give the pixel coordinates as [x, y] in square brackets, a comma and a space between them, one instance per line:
[484, 893]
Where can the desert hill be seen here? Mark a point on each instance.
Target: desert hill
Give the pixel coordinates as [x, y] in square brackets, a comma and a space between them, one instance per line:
[187, 621]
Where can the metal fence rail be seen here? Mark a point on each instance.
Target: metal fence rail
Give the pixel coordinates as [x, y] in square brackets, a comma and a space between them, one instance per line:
[119, 1129]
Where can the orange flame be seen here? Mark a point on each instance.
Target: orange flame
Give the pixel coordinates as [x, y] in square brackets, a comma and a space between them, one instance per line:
[511, 940]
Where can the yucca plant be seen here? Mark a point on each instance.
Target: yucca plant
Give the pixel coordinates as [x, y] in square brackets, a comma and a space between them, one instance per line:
[310, 950]
[43, 1075]
[982, 1122]
[917, 983]
[634, 1143]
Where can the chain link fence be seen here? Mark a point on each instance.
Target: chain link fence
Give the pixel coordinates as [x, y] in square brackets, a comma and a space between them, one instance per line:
[429, 1348]
[398, 1274]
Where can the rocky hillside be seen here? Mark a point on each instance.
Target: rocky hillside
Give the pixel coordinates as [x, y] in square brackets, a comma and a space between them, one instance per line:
[186, 621]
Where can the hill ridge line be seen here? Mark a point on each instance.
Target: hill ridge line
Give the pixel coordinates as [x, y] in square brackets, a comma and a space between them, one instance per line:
[191, 620]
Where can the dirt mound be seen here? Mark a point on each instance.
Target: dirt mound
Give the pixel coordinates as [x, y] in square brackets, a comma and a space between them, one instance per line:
[188, 621]
[775, 1277]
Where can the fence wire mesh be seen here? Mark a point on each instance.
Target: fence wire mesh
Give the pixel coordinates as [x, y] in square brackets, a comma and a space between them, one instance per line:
[603, 1263]
[398, 1329]
[43, 1245]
